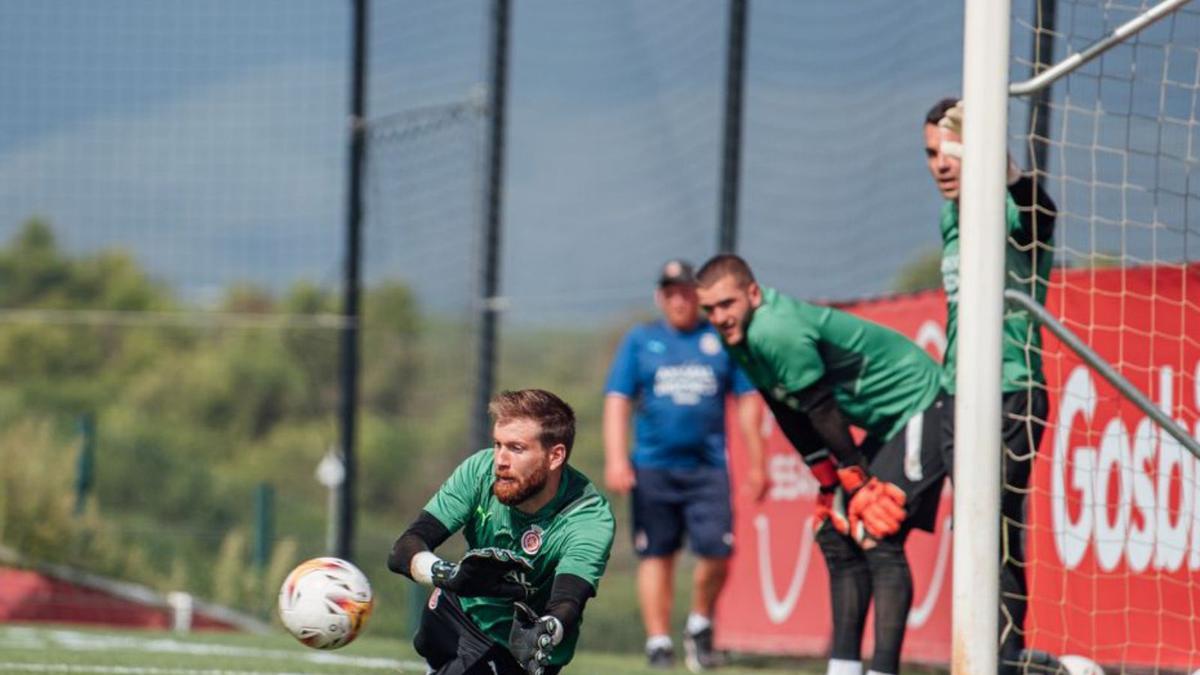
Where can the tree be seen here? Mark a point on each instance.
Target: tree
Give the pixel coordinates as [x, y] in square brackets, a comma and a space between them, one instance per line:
[922, 273]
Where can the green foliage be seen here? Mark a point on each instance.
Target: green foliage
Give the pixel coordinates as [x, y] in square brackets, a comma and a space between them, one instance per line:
[192, 414]
[189, 417]
[230, 573]
[921, 273]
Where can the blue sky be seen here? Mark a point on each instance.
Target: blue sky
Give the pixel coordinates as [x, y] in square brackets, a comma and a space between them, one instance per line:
[209, 138]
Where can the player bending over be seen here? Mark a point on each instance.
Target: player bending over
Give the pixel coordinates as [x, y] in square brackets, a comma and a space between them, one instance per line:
[539, 536]
[821, 370]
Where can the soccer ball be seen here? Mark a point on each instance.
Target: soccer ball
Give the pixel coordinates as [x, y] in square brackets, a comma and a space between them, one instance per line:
[324, 602]
[1080, 665]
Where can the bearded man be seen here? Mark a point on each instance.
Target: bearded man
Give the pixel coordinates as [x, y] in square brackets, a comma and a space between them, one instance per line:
[539, 536]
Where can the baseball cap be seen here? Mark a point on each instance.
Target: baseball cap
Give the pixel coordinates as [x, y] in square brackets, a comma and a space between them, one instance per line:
[676, 272]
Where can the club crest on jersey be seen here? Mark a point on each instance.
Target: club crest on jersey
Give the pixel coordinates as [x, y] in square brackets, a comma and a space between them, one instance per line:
[531, 540]
[709, 344]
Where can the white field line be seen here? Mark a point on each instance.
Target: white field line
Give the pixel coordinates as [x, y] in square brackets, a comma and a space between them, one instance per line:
[76, 641]
[10, 667]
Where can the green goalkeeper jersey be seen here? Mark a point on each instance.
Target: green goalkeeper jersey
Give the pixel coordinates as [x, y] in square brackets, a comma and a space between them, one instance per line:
[1027, 268]
[879, 377]
[573, 534]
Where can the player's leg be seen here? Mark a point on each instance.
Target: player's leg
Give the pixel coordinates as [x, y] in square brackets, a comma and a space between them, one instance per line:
[437, 636]
[891, 580]
[1023, 425]
[655, 577]
[657, 536]
[945, 408]
[452, 644]
[849, 598]
[709, 520]
[913, 461]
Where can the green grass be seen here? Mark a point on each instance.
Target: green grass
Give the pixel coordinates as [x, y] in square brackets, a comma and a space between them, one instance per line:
[45, 648]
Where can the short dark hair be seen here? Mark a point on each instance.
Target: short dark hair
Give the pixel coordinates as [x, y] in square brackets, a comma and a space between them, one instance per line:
[722, 265]
[555, 417]
[938, 111]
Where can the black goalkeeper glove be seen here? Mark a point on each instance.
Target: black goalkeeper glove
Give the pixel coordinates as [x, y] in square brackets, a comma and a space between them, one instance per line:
[485, 572]
[533, 638]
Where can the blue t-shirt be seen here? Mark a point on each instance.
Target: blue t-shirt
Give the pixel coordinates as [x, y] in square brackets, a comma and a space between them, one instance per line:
[680, 381]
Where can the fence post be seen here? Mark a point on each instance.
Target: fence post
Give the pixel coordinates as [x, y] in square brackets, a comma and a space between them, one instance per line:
[85, 468]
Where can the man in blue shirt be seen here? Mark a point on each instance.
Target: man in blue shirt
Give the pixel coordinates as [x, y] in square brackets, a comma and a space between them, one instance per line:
[675, 375]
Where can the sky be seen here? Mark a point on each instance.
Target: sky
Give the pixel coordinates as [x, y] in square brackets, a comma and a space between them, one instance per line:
[210, 138]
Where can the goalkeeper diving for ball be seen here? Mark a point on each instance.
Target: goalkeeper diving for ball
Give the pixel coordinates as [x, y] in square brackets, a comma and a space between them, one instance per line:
[821, 370]
[539, 536]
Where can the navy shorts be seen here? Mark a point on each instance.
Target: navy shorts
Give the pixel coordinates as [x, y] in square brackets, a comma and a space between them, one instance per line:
[667, 503]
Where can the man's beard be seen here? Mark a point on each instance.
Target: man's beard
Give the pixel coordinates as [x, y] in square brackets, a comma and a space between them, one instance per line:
[511, 494]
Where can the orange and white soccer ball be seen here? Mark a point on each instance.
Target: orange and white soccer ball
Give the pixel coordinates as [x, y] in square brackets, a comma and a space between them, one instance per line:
[325, 602]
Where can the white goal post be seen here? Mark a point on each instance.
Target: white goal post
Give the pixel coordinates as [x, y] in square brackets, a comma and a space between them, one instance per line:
[986, 91]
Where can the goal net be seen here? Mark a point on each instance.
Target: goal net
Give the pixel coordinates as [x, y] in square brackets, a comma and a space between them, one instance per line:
[1112, 534]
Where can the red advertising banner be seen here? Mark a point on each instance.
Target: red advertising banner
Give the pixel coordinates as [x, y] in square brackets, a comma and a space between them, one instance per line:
[1114, 507]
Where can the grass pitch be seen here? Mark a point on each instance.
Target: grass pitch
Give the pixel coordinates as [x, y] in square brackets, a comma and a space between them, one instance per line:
[71, 649]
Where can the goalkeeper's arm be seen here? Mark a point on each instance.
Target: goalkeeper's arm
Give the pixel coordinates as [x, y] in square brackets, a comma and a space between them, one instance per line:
[568, 595]
[1031, 199]
[878, 505]
[415, 546]
[814, 425]
[533, 638]
[482, 572]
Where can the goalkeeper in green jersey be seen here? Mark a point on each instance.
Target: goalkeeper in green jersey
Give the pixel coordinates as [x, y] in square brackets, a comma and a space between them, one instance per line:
[1028, 256]
[821, 370]
[539, 536]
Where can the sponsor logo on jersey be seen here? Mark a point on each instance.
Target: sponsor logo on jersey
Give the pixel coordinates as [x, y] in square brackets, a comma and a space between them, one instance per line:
[685, 384]
[709, 344]
[531, 540]
[950, 277]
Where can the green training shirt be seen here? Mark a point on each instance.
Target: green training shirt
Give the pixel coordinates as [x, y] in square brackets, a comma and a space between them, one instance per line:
[573, 534]
[1026, 269]
[879, 377]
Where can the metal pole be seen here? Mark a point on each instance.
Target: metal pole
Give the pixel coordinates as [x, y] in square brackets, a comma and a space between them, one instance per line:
[1104, 369]
[731, 156]
[1046, 19]
[85, 469]
[489, 306]
[981, 310]
[1116, 37]
[352, 280]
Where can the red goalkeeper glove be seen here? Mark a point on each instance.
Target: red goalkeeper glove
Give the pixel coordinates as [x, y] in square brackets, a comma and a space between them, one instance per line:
[876, 506]
[831, 508]
[831, 500]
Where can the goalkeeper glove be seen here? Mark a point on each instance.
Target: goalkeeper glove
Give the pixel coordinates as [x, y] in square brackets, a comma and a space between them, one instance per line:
[484, 572]
[876, 507]
[532, 638]
[831, 508]
[952, 122]
[831, 499]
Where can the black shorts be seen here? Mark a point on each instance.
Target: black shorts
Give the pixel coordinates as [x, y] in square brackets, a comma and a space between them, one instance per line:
[667, 503]
[453, 645]
[1024, 413]
[912, 460]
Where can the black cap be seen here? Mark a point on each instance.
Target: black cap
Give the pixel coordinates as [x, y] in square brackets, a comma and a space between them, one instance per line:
[676, 272]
